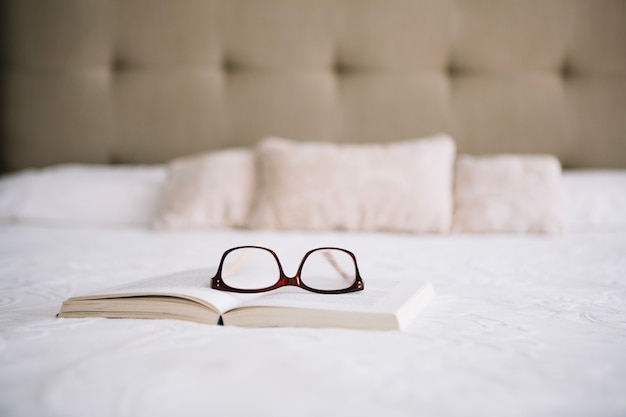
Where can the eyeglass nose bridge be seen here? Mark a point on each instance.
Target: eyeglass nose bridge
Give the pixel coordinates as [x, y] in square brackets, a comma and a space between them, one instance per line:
[283, 279]
[294, 281]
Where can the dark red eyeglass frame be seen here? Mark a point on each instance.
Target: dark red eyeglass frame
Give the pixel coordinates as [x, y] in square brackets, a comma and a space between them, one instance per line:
[283, 280]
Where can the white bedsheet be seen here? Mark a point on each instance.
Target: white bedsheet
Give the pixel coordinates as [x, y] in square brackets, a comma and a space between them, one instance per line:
[520, 326]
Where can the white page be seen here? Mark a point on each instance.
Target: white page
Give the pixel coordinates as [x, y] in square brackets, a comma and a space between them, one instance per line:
[379, 296]
[193, 284]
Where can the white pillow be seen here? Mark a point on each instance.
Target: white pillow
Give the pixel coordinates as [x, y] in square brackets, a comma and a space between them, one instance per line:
[403, 186]
[210, 190]
[508, 193]
[595, 200]
[82, 195]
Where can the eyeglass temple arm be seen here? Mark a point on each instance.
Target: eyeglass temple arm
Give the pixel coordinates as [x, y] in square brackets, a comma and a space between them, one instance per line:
[331, 259]
[243, 258]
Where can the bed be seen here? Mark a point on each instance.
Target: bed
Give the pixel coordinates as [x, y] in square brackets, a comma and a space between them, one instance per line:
[104, 103]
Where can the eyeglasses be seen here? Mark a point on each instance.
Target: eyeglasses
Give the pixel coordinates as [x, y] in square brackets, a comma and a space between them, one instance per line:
[252, 269]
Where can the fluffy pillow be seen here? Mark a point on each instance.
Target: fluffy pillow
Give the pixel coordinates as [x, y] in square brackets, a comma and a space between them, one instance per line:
[79, 195]
[211, 190]
[595, 200]
[508, 193]
[403, 186]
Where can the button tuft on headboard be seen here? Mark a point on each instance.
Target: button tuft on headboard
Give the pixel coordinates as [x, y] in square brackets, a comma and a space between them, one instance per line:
[566, 70]
[118, 64]
[340, 68]
[230, 66]
[452, 70]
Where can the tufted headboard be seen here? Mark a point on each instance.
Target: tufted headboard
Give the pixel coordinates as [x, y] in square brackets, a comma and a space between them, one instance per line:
[142, 81]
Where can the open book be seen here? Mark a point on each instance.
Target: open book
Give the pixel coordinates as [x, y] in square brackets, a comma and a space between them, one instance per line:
[383, 305]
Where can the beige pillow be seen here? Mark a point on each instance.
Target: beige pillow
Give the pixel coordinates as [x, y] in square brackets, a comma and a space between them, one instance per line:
[508, 193]
[211, 190]
[403, 186]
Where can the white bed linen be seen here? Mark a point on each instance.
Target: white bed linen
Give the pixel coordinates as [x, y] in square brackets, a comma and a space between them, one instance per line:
[520, 326]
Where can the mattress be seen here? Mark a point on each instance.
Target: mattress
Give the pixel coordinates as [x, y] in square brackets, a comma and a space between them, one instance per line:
[520, 325]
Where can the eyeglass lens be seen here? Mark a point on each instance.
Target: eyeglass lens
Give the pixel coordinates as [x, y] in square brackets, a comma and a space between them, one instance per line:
[328, 269]
[250, 269]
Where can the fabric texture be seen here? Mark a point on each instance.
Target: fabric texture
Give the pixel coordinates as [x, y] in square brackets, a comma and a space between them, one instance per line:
[403, 186]
[210, 190]
[194, 75]
[81, 195]
[508, 193]
[520, 326]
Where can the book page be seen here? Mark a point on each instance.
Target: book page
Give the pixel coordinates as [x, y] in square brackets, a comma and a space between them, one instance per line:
[194, 284]
[379, 296]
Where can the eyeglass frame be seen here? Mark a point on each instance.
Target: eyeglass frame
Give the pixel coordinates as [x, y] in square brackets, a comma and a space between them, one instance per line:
[217, 282]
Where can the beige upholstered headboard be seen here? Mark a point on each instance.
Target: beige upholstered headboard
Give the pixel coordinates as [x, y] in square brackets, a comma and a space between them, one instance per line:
[142, 81]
